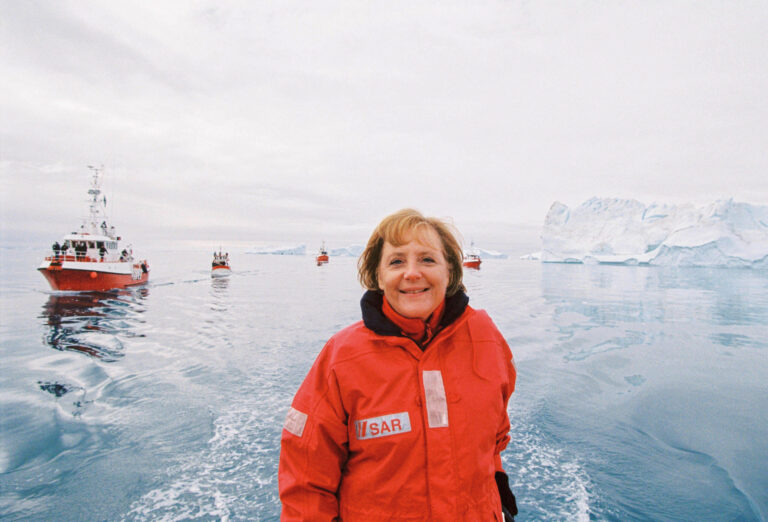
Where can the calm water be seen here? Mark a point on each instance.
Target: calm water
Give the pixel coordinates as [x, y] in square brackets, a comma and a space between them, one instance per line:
[642, 393]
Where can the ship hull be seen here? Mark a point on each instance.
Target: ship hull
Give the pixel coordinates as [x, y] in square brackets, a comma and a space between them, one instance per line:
[472, 264]
[220, 271]
[93, 277]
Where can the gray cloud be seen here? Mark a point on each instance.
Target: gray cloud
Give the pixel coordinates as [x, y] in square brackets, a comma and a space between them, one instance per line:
[277, 119]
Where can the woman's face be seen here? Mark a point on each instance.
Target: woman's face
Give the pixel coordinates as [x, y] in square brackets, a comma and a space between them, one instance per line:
[414, 276]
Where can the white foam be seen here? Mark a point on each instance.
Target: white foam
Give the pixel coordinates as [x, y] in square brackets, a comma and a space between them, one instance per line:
[211, 484]
[554, 485]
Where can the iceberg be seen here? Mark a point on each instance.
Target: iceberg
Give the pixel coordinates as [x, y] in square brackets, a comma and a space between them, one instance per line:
[486, 254]
[299, 250]
[724, 233]
[348, 251]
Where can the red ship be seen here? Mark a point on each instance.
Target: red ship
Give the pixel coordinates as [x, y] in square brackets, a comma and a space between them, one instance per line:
[322, 256]
[94, 258]
[220, 265]
[472, 258]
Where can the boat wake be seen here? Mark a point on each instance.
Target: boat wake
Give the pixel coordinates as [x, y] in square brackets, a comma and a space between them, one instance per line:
[549, 484]
[232, 477]
[92, 323]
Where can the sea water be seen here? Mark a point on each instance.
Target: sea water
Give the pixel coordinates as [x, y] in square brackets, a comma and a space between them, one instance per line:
[642, 392]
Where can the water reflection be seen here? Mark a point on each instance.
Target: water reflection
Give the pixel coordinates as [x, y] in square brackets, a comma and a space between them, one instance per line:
[220, 294]
[56, 388]
[219, 285]
[92, 323]
[605, 308]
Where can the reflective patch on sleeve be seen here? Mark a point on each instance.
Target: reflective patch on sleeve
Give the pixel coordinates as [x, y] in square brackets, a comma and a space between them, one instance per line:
[437, 405]
[383, 426]
[295, 422]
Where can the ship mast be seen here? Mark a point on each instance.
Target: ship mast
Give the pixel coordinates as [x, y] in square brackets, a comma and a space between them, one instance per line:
[96, 222]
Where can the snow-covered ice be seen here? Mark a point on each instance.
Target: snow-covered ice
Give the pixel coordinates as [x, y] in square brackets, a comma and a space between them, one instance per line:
[348, 251]
[353, 250]
[486, 254]
[298, 250]
[724, 233]
[533, 256]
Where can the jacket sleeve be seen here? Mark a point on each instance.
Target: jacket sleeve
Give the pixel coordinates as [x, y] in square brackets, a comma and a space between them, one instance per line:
[313, 447]
[502, 435]
[508, 500]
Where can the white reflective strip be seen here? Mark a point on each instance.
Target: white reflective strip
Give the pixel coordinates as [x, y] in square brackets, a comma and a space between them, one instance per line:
[295, 422]
[437, 406]
[382, 426]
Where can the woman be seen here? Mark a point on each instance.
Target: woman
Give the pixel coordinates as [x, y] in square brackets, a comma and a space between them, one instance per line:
[403, 416]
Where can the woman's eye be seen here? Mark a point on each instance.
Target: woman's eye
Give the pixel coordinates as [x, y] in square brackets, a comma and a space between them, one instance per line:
[428, 260]
[396, 262]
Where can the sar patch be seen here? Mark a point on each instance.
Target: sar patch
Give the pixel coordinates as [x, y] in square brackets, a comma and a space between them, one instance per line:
[382, 426]
[295, 422]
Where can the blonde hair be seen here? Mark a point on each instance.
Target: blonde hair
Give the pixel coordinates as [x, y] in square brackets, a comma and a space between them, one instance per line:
[394, 229]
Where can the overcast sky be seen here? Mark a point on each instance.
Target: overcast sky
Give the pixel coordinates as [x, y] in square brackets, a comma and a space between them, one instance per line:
[295, 121]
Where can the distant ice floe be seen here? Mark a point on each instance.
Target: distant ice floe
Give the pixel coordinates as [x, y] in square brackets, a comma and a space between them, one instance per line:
[299, 250]
[356, 250]
[486, 254]
[724, 233]
[348, 251]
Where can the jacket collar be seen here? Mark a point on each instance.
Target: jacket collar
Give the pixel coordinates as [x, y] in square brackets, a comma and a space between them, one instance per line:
[375, 320]
[419, 330]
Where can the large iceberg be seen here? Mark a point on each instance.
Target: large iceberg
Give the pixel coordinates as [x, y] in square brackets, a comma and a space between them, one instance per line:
[724, 233]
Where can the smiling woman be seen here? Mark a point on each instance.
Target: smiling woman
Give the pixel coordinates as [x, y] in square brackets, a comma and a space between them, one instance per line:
[414, 275]
[385, 424]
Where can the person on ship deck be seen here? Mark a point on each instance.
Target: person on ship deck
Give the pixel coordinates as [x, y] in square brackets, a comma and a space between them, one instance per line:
[80, 250]
[403, 415]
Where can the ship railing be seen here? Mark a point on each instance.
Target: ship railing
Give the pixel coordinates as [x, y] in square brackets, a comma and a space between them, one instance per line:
[83, 259]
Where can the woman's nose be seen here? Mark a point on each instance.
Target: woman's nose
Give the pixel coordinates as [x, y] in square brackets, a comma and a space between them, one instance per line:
[412, 271]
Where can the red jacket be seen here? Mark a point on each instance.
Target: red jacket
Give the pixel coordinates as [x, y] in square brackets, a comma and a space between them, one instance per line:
[381, 430]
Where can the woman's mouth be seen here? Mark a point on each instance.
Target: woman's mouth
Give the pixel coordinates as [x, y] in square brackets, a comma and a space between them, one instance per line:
[411, 292]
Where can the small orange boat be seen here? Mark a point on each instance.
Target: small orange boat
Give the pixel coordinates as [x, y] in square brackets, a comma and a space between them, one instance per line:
[322, 256]
[220, 265]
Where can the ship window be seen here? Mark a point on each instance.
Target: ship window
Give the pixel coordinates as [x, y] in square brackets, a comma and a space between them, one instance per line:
[91, 244]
